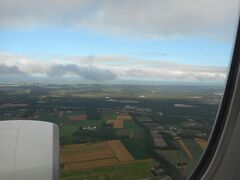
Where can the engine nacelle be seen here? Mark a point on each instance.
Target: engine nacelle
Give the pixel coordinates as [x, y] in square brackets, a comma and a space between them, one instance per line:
[29, 150]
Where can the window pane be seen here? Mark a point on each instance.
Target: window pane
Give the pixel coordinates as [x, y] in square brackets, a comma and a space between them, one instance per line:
[134, 86]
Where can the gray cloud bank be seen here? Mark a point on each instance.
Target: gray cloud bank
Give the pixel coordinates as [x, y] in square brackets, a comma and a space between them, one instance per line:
[9, 70]
[87, 72]
[150, 18]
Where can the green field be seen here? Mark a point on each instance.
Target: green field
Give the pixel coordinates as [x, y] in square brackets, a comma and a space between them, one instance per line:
[137, 147]
[130, 124]
[68, 128]
[173, 156]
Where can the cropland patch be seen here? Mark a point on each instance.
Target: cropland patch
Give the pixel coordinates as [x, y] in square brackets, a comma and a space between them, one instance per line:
[131, 133]
[144, 119]
[201, 142]
[186, 149]
[116, 123]
[92, 155]
[79, 117]
[158, 140]
[124, 116]
[183, 106]
[120, 151]
[124, 170]
[90, 164]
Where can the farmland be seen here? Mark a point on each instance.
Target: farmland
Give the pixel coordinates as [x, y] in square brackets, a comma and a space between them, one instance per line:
[132, 170]
[82, 156]
[185, 149]
[120, 131]
[202, 143]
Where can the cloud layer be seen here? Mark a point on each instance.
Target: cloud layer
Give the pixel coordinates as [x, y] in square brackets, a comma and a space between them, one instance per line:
[142, 18]
[109, 68]
[86, 72]
[9, 70]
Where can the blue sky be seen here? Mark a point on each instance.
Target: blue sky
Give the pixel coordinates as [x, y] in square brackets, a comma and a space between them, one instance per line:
[153, 40]
[44, 43]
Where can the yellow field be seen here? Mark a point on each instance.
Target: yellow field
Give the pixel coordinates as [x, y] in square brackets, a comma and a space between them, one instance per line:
[90, 164]
[186, 150]
[201, 142]
[124, 116]
[86, 147]
[118, 122]
[90, 155]
[77, 157]
[120, 151]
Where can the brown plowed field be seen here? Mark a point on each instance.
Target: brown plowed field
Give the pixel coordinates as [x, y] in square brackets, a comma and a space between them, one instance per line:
[116, 123]
[80, 117]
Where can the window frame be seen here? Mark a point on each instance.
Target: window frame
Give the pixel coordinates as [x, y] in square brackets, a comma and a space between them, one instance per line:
[223, 112]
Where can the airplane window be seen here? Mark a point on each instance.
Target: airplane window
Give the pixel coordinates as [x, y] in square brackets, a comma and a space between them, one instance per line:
[134, 86]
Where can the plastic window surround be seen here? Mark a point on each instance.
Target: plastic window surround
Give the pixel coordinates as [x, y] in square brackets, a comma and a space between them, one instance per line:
[222, 114]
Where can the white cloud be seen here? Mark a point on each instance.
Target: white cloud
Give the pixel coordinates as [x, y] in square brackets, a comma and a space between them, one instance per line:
[105, 68]
[140, 18]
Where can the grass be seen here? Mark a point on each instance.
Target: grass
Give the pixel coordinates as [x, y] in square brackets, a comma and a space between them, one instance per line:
[194, 147]
[68, 128]
[46, 116]
[109, 113]
[130, 124]
[133, 170]
[66, 133]
[176, 156]
[173, 156]
[97, 123]
[109, 116]
[137, 147]
[77, 113]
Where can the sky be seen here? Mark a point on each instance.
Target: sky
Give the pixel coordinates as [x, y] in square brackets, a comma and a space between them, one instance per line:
[113, 41]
